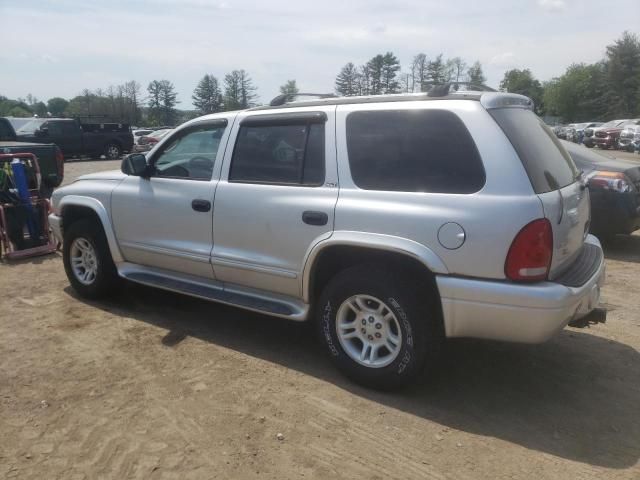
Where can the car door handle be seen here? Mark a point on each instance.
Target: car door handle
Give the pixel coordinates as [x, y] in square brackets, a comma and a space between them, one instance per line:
[315, 218]
[201, 205]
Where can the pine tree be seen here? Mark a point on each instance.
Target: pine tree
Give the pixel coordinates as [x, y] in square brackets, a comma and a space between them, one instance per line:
[364, 80]
[457, 67]
[375, 67]
[290, 88]
[438, 71]
[238, 90]
[162, 101]
[348, 81]
[390, 68]
[475, 74]
[207, 97]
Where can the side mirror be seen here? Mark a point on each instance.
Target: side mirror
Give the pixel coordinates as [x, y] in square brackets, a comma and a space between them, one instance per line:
[135, 164]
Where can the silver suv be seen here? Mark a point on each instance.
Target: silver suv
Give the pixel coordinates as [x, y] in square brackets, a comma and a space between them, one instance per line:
[392, 222]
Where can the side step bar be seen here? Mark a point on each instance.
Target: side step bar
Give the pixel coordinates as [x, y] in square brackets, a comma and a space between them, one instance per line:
[280, 307]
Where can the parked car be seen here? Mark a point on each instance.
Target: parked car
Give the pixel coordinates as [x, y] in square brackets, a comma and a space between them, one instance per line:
[79, 139]
[392, 222]
[580, 130]
[138, 133]
[147, 142]
[614, 188]
[50, 158]
[590, 133]
[629, 138]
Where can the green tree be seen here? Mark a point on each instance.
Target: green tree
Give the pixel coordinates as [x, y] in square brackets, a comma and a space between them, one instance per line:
[475, 74]
[524, 83]
[39, 108]
[623, 72]
[162, 102]
[239, 91]
[207, 96]
[290, 88]
[375, 68]
[438, 71]
[579, 95]
[390, 68]
[348, 81]
[57, 106]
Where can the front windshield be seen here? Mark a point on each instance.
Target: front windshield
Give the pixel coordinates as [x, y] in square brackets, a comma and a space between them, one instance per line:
[31, 126]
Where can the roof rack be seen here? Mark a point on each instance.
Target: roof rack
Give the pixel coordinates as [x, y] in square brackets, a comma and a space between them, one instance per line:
[289, 97]
[443, 89]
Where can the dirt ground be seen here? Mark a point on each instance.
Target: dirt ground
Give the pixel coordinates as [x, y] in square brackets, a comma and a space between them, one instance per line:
[160, 386]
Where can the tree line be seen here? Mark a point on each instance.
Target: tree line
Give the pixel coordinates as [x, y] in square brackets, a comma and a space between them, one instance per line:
[606, 89]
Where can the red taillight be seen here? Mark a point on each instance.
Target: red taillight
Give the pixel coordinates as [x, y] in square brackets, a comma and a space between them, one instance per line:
[529, 257]
[60, 161]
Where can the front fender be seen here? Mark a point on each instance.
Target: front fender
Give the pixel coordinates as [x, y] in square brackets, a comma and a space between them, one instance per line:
[375, 241]
[100, 210]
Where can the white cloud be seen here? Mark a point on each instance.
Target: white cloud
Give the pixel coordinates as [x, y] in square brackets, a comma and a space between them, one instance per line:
[503, 60]
[553, 5]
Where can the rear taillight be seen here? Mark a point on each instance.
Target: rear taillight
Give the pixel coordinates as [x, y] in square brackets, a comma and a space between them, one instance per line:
[616, 181]
[529, 257]
[60, 161]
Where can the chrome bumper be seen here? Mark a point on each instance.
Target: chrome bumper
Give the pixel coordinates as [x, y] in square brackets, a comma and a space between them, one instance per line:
[515, 312]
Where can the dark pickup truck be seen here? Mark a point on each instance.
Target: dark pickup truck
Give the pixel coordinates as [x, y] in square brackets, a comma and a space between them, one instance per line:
[77, 139]
[50, 158]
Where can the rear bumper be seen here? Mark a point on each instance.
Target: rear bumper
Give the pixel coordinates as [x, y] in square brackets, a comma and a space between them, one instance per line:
[515, 312]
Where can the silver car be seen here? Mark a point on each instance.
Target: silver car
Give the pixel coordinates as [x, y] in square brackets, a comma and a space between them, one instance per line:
[391, 222]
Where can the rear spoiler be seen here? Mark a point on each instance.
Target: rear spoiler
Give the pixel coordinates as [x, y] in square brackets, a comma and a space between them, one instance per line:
[491, 100]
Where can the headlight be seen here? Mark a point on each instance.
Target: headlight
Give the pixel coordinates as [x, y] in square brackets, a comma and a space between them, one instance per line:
[615, 181]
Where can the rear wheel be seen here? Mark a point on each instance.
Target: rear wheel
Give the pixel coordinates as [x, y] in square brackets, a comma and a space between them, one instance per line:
[378, 328]
[87, 260]
[112, 151]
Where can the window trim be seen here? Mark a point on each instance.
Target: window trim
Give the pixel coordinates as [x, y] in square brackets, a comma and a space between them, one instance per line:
[218, 122]
[284, 120]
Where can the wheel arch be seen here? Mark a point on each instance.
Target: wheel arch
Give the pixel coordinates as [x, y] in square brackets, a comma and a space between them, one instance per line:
[345, 249]
[75, 207]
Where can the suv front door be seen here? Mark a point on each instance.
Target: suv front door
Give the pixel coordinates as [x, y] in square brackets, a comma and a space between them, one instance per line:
[276, 197]
[165, 221]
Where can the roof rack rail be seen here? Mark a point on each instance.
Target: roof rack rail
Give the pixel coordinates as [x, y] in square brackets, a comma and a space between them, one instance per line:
[443, 89]
[288, 97]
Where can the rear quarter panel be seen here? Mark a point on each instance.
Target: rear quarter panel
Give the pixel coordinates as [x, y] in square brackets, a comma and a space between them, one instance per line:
[491, 218]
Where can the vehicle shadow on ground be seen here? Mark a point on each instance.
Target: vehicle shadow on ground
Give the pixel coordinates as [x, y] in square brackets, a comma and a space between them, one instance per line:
[576, 397]
[625, 248]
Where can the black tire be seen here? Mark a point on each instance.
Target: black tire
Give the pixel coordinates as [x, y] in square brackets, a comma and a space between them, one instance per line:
[413, 306]
[106, 278]
[112, 151]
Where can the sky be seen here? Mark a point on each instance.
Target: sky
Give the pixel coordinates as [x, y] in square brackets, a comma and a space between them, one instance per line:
[59, 48]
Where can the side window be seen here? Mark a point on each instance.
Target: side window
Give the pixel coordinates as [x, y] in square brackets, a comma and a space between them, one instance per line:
[69, 128]
[190, 154]
[413, 151]
[279, 154]
[54, 129]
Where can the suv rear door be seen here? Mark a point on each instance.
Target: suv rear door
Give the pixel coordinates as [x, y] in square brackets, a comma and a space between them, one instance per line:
[554, 178]
[276, 197]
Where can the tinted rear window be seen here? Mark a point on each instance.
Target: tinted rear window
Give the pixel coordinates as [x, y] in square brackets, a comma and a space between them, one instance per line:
[413, 151]
[547, 163]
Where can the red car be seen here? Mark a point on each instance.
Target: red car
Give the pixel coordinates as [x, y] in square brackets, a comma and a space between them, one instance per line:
[607, 137]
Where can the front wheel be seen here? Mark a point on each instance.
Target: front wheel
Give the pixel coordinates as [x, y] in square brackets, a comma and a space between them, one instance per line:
[112, 151]
[87, 260]
[377, 327]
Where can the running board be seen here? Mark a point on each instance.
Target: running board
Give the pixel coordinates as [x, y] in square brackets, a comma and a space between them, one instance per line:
[279, 307]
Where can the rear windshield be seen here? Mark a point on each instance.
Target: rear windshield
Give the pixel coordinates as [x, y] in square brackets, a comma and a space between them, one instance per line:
[547, 163]
[30, 127]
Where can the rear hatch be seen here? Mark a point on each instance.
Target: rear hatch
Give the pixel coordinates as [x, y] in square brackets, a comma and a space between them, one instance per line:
[554, 178]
